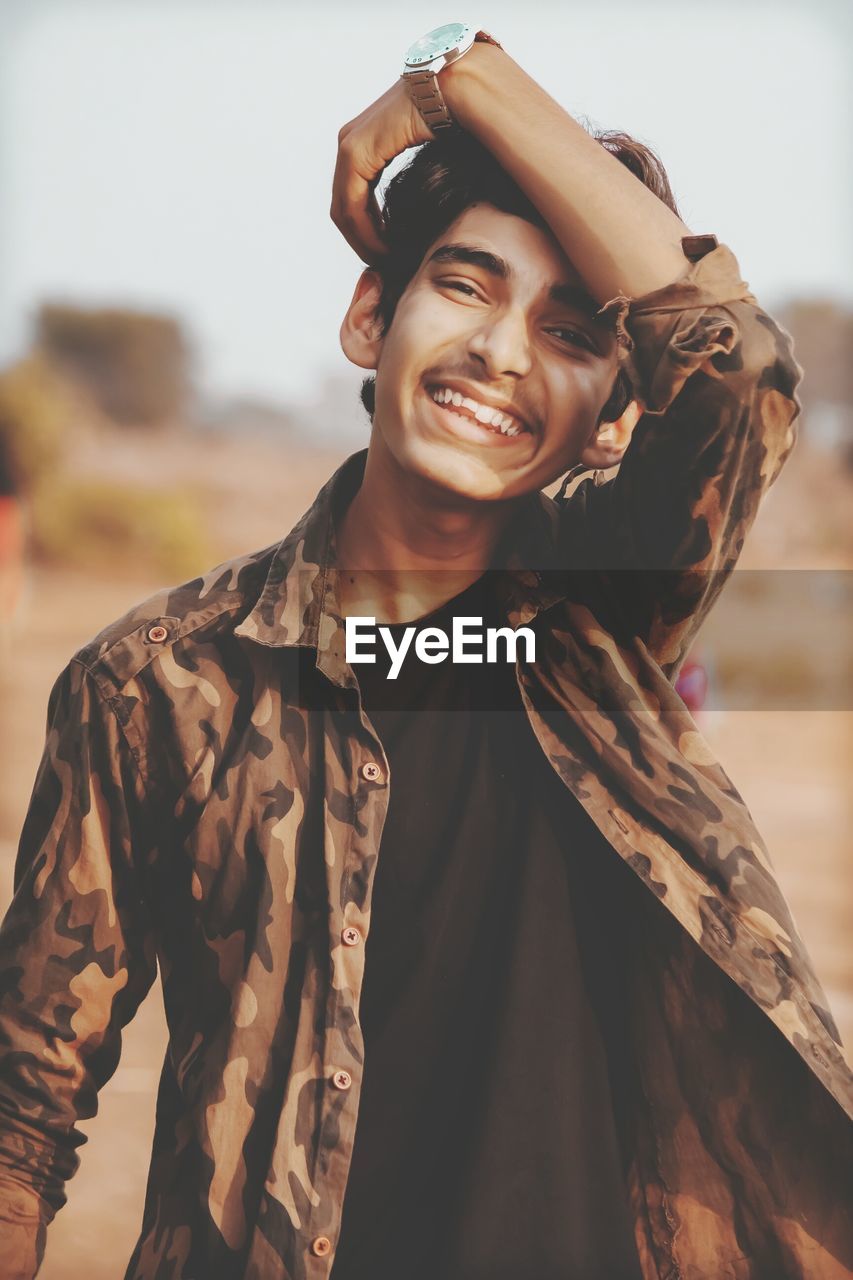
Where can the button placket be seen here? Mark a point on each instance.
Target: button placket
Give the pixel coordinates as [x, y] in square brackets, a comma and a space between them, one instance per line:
[370, 778]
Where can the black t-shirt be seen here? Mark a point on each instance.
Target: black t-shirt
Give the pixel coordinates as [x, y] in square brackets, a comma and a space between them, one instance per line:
[486, 1142]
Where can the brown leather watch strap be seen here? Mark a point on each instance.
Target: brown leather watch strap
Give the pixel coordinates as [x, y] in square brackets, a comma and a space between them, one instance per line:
[483, 37]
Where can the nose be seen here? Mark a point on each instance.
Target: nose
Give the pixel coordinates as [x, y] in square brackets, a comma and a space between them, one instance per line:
[501, 344]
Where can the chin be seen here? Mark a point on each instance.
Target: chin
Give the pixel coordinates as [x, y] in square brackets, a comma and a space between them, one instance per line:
[454, 463]
[456, 471]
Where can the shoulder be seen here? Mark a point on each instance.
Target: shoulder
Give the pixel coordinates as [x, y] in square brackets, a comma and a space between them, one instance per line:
[212, 603]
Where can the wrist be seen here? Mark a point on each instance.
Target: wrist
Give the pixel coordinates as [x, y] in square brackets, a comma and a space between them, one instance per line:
[466, 80]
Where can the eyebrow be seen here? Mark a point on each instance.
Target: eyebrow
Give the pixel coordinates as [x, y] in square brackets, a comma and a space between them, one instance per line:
[568, 295]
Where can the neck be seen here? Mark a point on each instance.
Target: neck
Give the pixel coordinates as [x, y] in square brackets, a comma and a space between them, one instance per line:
[405, 546]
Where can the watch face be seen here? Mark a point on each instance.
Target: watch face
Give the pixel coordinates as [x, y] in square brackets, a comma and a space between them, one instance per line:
[436, 42]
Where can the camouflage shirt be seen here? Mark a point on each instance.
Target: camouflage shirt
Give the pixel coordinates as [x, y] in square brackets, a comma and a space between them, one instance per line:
[212, 795]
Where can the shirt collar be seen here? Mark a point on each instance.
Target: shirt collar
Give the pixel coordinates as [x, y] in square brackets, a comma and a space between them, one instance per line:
[299, 602]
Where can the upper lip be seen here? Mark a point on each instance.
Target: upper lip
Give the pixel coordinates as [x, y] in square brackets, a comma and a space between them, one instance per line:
[475, 393]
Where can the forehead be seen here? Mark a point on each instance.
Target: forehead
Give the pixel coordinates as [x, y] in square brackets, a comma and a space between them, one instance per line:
[533, 253]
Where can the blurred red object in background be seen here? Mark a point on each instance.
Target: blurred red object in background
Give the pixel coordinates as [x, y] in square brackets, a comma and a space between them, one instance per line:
[692, 685]
[11, 555]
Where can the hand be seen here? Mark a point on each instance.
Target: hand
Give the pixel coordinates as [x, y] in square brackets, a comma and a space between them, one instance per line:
[366, 145]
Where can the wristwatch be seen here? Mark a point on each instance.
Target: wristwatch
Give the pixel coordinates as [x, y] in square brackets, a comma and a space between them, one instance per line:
[425, 59]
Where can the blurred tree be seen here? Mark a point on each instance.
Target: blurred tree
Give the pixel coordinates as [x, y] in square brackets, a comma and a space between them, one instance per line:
[134, 364]
[33, 411]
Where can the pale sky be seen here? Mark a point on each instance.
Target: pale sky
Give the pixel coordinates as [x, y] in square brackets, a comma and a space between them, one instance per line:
[179, 155]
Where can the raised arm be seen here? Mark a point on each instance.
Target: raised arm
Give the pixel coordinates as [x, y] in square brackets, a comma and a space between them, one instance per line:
[621, 238]
[76, 958]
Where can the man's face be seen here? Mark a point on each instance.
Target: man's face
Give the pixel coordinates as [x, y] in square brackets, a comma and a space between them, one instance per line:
[496, 316]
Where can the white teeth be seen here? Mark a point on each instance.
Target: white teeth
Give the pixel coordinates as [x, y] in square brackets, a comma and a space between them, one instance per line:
[505, 424]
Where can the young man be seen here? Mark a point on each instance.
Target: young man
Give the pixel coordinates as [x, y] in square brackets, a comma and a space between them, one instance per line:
[471, 968]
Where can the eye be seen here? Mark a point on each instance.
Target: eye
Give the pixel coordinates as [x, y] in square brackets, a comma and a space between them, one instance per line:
[461, 286]
[577, 338]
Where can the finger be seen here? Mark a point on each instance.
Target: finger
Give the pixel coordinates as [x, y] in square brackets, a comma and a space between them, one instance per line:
[355, 210]
[359, 220]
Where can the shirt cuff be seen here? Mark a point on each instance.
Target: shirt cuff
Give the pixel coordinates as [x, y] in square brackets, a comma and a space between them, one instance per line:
[665, 335]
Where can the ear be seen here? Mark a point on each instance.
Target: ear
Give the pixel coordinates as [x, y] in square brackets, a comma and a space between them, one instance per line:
[607, 445]
[360, 332]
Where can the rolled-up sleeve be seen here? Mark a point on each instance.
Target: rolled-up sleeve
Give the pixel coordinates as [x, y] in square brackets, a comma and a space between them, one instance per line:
[717, 378]
[76, 957]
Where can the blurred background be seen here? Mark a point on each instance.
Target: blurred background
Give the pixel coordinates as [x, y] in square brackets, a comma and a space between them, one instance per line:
[173, 393]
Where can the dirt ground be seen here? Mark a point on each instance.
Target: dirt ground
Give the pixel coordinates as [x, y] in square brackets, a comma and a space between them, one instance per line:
[791, 767]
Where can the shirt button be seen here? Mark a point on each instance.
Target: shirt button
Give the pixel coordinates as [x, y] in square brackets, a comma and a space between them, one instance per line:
[342, 1079]
[321, 1246]
[157, 634]
[371, 772]
[350, 936]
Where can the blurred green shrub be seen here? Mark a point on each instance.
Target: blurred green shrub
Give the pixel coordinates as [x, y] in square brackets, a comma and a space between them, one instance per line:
[33, 412]
[96, 524]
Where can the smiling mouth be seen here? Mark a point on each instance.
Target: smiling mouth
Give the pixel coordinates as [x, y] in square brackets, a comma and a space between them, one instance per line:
[482, 421]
